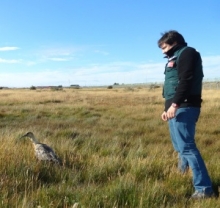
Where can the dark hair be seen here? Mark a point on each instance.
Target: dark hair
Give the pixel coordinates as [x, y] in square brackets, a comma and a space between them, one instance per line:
[170, 38]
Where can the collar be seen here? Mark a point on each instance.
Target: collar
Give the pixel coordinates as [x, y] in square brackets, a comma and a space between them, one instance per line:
[175, 48]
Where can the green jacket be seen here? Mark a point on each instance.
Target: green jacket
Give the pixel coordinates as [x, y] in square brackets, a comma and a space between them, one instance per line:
[172, 78]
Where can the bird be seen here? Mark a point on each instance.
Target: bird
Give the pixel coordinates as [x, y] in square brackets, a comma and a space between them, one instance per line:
[42, 151]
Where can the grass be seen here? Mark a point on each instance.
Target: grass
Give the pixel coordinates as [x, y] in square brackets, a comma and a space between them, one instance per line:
[115, 149]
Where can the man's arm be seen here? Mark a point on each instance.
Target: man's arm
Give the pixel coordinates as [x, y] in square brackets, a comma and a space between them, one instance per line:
[186, 67]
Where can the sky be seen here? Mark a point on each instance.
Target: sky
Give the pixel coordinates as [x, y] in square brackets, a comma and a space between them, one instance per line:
[100, 42]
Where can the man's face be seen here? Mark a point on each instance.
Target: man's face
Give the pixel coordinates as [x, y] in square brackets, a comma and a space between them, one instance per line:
[166, 47]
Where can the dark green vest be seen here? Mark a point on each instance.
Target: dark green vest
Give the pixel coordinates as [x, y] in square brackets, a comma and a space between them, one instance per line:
[172, 80]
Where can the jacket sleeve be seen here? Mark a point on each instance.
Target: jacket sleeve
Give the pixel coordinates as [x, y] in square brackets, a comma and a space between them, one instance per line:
[185, 67]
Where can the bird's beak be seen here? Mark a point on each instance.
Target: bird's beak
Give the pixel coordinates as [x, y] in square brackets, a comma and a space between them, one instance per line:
[19, 139]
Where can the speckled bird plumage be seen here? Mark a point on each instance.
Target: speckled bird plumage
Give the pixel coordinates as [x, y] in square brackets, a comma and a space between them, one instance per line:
[42, 151]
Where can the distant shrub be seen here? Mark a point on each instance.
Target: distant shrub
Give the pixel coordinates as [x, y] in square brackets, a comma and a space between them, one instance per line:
[76, 86]
[129, 89]
[56, 88]
[33, 88]
[109, 87]
[153, 86]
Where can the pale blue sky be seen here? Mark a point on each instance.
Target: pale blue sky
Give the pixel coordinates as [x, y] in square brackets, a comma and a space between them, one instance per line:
[100, 42]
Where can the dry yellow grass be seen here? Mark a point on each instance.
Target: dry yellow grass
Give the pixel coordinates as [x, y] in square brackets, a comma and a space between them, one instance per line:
[115, 148]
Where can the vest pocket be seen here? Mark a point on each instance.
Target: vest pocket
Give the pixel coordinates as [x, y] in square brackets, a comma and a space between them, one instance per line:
[170, 88]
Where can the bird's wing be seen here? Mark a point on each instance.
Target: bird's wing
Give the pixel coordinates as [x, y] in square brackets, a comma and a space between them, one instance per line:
[44, 152]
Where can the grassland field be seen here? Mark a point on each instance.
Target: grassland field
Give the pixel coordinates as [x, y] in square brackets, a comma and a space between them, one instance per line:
[115, 149]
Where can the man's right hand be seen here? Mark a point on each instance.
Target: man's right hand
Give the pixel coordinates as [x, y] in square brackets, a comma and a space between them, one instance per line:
[164, 116]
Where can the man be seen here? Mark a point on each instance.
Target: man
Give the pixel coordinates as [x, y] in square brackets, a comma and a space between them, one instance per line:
[182, 92]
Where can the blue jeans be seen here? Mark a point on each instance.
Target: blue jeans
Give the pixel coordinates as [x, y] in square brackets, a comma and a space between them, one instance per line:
[182, 131]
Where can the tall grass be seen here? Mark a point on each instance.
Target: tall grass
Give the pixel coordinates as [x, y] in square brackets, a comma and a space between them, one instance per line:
[115, 149]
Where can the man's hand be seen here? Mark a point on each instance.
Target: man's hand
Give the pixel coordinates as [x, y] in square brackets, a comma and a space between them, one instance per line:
[171, 113]
[164, 116]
